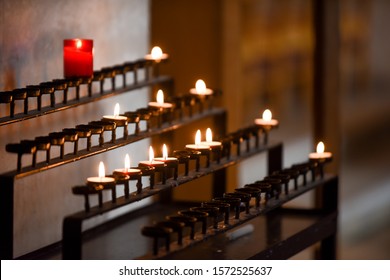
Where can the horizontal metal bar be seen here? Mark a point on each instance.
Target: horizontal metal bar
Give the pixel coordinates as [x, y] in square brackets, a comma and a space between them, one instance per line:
[83, 100]
[69, 158]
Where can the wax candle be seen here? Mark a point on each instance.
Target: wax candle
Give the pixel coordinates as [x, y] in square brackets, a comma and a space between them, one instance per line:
[320, 153]
[78, 58]
[266, 120]
[101, 179]
[160, 101]
[209, 140]
[156, 54]
[201, 89]
[198, 144]
[128, 170]
[119, 120]
[165, 158]
[171, 162]
[152, 161]
[215, 146]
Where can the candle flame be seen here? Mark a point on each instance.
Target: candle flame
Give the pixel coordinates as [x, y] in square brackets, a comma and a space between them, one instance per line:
[209, 135]
[79, 43]
[116, 110]
[156, 53]
[267, 115]
[160, 97]
[320, 147]
[151, 154]
[200, 86]
[127, 162]
[165, 152]
[198, 137]
[102, 171]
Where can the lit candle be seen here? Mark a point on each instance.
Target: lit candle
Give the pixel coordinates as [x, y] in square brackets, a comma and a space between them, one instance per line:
[209, 140]
[320, 157]
[201, 89]
[160, 101]
[266, 120]
[78, 58]
[320, 153]
[127, 170]
[152, 161]
[267, 123]
[171, 162]
[198, 144]
[119, 120]
[165, 157]
[156, 54]
[215, 146]
[101, 179]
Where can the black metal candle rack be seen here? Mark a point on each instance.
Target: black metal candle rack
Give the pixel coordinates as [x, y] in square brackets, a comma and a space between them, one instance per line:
[188, 108]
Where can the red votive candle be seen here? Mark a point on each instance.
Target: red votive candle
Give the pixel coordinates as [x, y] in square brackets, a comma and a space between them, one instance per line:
[78, 58]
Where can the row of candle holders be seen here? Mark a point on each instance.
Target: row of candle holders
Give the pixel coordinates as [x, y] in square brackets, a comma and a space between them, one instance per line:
[50, 88]
[154, 117]
[222, 211]
[169, 168]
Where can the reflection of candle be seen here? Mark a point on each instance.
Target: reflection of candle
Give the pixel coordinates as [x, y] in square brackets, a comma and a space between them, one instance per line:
[78, 58]
[201, 89]
[160, 101]
[102, 179]
[119, 120]
[156, 54]
[152, 161]
[128, 170]
[267, 120]
[320, 153]
[198, 144]
[209, 140]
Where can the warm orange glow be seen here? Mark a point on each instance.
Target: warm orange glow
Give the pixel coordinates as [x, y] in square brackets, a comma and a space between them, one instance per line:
[160, 97]
[79, 43]
[320, 147]
[102, 171]
[267, 115]
[156, 53]
[165, 152]
[200, 86]
[127, 162]
[116, 110]
[151, 154]
[198, 137]
[209, 135]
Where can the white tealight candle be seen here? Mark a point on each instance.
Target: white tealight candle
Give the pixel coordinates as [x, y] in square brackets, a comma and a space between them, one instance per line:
[119, 120]
[160, 101]
[165, 158]
[152, 161]
[201, 89]
[128, 170]
[320, 152]
[156, 54]
[209, 140]
[267, 120]
[102, 179]
[198, 144]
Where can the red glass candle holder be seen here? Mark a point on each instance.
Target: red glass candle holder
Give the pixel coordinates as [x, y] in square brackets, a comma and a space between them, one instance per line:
[78, 58]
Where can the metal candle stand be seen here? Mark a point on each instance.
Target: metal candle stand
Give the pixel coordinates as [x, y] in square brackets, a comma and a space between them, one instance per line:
[267, 194]
[95, 128]
[239, 202]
